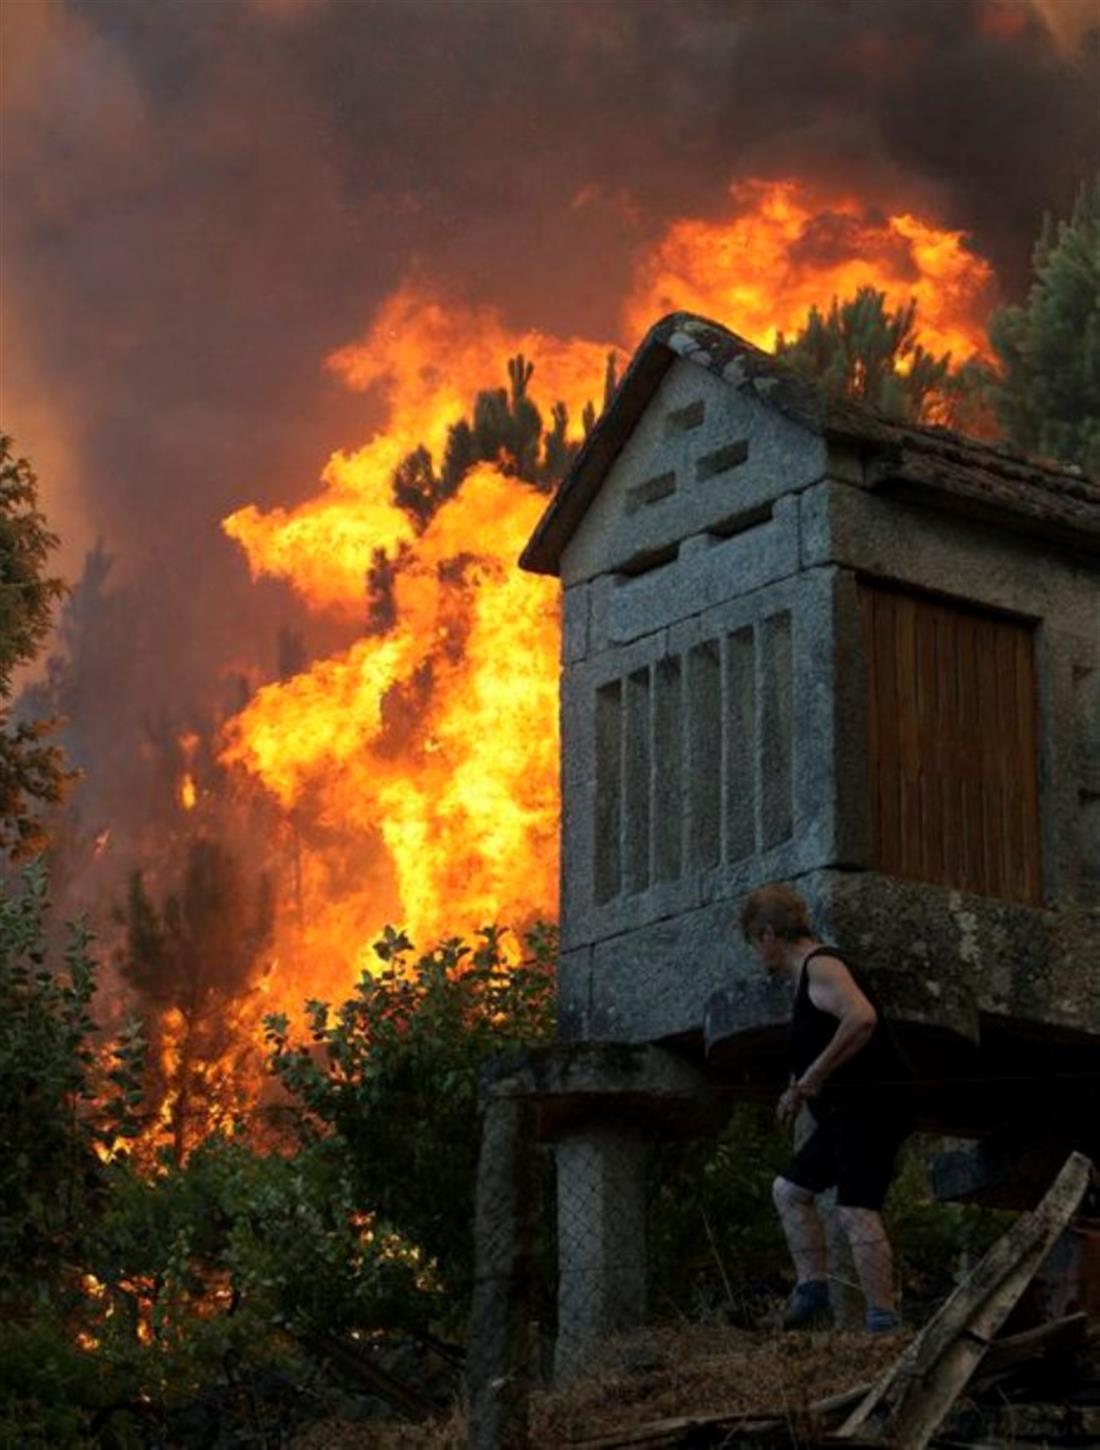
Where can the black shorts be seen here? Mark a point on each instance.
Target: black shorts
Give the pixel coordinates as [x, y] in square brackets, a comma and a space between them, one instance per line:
[854, 1151]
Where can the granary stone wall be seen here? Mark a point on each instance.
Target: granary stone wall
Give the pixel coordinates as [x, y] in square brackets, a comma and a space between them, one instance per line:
[703, 458]
[713, 719]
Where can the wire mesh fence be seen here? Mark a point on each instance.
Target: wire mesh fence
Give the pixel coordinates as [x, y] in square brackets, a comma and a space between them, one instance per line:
[586, 1237]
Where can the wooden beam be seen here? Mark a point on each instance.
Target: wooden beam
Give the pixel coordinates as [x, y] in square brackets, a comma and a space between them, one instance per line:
[920, 1386]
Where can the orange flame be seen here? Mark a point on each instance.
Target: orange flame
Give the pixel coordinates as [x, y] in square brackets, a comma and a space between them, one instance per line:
[418, 770]
[760, 270]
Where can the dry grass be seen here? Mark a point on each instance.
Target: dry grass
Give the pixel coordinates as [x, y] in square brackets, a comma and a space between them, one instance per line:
[698, 1371]
[446, 1433]
[654, 1375]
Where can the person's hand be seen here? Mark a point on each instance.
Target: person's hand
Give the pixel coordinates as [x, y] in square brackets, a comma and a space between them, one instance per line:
[792, 1101]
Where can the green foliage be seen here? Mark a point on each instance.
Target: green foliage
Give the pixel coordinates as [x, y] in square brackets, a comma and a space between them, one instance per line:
[1047, 393]
[243, 1253]
[716, 1248]
[62, 1100]
[933, 1242]
[861, 351]
[391, 1079]
[715, 1245]
[54, 1393]
[32, 771]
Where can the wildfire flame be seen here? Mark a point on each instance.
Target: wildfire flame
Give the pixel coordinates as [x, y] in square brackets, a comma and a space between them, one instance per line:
[418, 770]
[187, 790]
[761, 269]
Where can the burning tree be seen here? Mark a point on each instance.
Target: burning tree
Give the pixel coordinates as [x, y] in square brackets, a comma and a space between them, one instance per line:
[193, 962]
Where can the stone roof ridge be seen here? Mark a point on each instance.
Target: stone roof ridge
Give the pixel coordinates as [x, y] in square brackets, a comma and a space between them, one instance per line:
[983, 476]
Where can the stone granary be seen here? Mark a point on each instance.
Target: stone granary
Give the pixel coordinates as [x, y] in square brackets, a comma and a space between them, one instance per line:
[805, 642]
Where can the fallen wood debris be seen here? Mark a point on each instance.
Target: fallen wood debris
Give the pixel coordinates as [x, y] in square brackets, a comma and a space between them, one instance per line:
[915, 1395]
[1003, 1358]
[956, 1350]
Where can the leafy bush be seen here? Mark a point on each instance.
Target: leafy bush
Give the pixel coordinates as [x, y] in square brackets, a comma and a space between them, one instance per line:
[64, 1098]
[390, 1081]
[715, 1248]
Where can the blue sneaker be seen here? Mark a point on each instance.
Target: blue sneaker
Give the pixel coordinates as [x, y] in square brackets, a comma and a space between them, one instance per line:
[883, 1321]
[809, 1306]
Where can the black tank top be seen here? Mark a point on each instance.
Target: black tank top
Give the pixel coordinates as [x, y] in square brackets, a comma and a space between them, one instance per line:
[877, 1078]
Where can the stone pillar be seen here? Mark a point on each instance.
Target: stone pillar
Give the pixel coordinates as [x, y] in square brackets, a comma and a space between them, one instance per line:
[601, 1242]
[499, 1362]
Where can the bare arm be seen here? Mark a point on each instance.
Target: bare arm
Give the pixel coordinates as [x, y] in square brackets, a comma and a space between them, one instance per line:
[832, 989]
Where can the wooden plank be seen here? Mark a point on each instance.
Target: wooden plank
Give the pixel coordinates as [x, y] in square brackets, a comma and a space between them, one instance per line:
[927, 1400]
[909, 736]
[965, 750]
[866, 598]
[931, 765]
[889, 771]
[948, 704]
[977, 1307]
[991, 751]
[1016, 763]
[951, 744]
[1029, 752]
[1006, 752]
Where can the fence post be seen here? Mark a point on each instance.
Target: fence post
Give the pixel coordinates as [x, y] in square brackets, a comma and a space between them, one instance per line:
[499, 1356]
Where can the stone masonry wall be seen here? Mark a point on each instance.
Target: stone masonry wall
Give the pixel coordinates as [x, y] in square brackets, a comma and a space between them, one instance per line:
[713, 707]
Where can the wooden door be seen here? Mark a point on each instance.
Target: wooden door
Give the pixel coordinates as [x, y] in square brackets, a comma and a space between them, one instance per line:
[952, 744]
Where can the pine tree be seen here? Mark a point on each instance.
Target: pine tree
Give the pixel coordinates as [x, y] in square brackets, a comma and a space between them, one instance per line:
[417, 488]
[861, 351]
[506, 430]
[190, 958]
[1047, 392]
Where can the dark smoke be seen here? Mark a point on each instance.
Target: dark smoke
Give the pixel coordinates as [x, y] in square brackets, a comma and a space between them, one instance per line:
[202, 201]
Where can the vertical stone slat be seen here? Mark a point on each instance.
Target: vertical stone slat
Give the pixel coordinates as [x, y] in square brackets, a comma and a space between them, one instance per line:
[668, 796]
[776, 775]
[636, 783]
[740, 716]
[705, 754]
[609, 791]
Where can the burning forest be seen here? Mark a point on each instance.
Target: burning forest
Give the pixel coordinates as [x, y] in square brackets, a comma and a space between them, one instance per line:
[409, 776]
[424, 756]
[306, 319]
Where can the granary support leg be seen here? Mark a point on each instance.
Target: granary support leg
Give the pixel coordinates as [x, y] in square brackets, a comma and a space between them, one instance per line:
[498, 1373]
[601, 1242]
